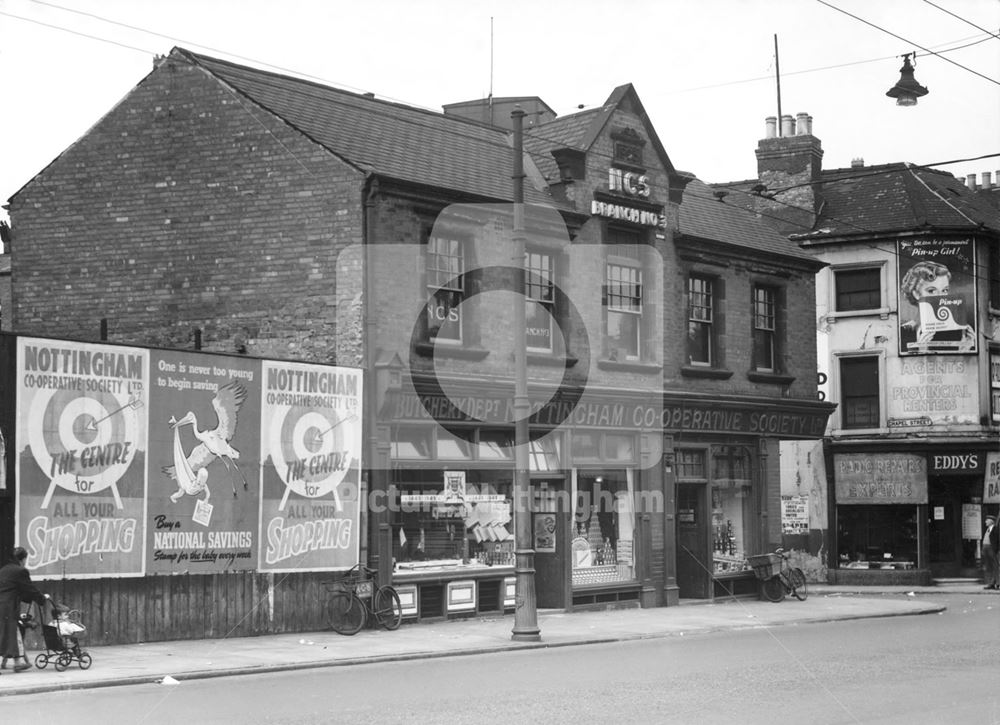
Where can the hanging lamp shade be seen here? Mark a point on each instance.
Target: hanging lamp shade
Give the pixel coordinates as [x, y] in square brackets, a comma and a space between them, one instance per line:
[907, 90]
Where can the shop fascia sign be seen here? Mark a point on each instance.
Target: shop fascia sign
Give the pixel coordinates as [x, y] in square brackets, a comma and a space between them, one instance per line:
[630, 184]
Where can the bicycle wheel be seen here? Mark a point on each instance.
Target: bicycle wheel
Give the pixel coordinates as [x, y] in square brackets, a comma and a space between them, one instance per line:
[345, 613]
[798, 581]
[773, 589]
[387, 608]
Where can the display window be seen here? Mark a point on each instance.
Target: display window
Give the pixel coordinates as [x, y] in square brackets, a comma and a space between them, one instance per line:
[452, 519]
[731, 489]
[452, 507]
[877, 537]
[603, 547]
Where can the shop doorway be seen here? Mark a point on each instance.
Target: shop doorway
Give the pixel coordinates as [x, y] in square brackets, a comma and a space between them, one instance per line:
[551, 533]
[694, 564]
[953, 527]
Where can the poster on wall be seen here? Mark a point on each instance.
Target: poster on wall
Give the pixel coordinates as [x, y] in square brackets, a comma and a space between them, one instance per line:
[204, 463]
[937, 296]
[311, 441]
[991, 484]
[81, 458]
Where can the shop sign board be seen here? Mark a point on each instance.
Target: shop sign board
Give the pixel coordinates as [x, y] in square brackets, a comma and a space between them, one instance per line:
[972, 520]
[681, 416]
[880, 478]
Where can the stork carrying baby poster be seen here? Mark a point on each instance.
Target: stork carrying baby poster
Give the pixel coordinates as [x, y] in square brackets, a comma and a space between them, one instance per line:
[204, 463]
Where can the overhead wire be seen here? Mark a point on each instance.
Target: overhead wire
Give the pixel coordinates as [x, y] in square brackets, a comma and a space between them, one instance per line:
[498, 144]
[964, 20]
[913, 43]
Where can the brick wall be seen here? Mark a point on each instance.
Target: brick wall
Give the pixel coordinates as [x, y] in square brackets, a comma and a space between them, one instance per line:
[189, 207]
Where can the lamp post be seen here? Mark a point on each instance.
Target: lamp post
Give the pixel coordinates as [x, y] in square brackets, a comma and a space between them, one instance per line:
[525, 614]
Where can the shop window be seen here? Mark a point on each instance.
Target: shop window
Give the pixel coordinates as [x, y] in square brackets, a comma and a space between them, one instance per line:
[412, 443]
[619, 447]
[691, 465]
[732, 508]
[701, 320]
[859, 388]
[858, 289]
[765, 329]
[602, 549]
[543, 454]
[452, 448]
[540, 300]
[598, 446]
[496, 445]
[877, 537]
[445, 265]
[447, 518]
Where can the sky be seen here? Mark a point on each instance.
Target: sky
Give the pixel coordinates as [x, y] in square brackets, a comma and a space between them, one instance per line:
[705, 70]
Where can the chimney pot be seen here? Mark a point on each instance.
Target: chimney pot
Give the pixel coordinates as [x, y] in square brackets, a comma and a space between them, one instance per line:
[857, 163]
[987, 181]
[770, 127]
[970, 181]
[802, 124]
[787, 125]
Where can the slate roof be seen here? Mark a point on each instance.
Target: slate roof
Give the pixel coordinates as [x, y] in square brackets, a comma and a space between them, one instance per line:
[702, 215]
[898, 197]
[388, 139]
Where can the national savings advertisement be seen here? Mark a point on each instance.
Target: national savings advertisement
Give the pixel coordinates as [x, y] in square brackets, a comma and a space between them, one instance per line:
[133, 461]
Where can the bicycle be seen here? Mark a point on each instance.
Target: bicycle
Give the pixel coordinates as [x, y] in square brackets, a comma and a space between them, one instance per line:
[777, 577]
[355, 601]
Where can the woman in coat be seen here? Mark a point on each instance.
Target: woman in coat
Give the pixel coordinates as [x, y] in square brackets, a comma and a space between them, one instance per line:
[15, 587]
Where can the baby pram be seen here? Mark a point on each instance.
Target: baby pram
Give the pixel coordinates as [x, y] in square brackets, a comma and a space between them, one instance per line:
[61, 629]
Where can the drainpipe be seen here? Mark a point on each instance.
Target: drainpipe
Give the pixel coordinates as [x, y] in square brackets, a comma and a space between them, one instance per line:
[379, 532]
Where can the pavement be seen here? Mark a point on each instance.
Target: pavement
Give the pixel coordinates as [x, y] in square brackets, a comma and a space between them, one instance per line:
[169, 662]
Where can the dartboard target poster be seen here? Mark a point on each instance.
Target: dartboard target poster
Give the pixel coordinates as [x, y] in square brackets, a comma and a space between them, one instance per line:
[204, 463]
[81, 459]
[937, 296]
[311, 438]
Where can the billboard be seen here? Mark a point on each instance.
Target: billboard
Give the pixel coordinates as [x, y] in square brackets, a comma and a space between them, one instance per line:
[132, 461]
[937, 296]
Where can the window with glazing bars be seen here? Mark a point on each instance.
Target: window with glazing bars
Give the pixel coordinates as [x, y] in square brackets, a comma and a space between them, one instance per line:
[701, 320]
[764, 328]
[445, 265]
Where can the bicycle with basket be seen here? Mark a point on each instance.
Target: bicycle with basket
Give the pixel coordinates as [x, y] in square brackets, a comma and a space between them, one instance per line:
[355, 600]
[777, 577]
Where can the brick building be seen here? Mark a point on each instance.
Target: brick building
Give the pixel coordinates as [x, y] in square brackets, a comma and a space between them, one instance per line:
[258, 214]
[911, 454]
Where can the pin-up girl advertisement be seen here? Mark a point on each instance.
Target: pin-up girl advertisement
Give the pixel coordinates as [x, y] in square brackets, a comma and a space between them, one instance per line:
[311, 450]
[80, 474]
[937, 296]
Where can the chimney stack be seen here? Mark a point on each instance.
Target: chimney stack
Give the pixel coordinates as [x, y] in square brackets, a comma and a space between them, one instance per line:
[793, 163]
[857, 163]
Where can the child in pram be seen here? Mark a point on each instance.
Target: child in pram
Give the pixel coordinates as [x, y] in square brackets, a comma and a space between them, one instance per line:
[60, 627]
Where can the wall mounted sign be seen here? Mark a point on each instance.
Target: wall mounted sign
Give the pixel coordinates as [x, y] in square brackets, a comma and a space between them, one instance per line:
[880, 478]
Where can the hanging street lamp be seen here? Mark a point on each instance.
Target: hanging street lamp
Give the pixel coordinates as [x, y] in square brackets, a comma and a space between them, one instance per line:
[907, 90]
